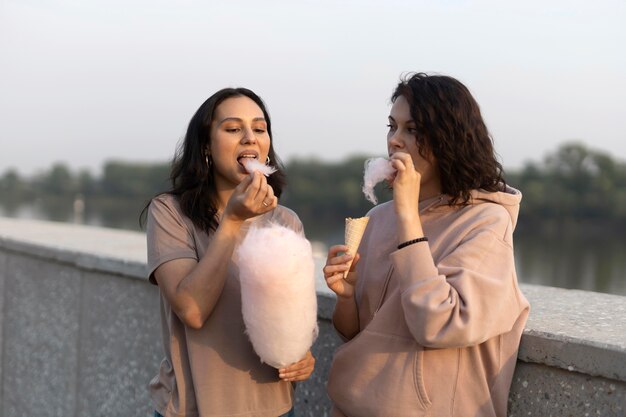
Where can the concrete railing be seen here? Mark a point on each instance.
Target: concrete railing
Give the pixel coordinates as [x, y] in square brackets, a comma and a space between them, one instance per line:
[80, 336]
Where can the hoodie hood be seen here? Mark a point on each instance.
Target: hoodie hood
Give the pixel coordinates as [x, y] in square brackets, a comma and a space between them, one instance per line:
[509, 199]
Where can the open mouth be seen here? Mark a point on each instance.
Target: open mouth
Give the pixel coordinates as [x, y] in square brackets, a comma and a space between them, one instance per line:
[246, 156]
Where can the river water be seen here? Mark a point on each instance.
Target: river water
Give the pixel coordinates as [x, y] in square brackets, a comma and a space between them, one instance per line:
[575, 262]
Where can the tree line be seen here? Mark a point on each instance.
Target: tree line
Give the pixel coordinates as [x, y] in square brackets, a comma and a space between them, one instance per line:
[573, 188]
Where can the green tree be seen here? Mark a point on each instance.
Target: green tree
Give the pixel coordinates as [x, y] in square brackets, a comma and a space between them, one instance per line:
[575, 185]
[324, 194]
[87, 185]
[12, 190]
[58, 181]
[131, 180]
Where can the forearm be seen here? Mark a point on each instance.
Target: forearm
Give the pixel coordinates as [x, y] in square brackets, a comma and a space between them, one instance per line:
[409, 227]
[198, 292]
[467, 298]
[346, 317]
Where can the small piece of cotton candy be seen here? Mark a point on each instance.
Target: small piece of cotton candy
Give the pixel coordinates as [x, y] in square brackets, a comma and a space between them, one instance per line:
[279, 304]
[252, 165]
[376, 170]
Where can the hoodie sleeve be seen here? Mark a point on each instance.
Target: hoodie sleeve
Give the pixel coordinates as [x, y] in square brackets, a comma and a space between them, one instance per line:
[468, 297]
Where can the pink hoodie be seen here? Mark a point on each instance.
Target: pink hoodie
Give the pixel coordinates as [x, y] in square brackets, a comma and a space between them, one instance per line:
[440, 321]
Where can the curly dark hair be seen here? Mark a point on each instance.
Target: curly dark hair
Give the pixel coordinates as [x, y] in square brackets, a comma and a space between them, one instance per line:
[451, 129]
[193, 181]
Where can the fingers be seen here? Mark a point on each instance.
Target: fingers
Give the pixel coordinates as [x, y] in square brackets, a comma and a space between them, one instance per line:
[243, 185]
[246, 202]
[355, 261]
[257, 195]
[270, 201]
[407, 176]
[401, 167]
[335, 249]
[342, 287]
[247, 188]
[351, 277]
[336, 265]
[332, 279]
[260, 186]
[298, 371]
[401, 160]
[255, 186]
[262, 194]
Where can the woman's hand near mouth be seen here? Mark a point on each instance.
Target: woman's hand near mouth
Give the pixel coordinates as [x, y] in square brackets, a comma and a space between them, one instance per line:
[251, 198]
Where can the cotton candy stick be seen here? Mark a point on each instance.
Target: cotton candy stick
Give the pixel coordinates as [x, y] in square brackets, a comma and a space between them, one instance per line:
[279, 304]
[252, 165]
[376, 170]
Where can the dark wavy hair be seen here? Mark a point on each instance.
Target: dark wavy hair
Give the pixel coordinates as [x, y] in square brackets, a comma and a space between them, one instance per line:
[450, 128]
[193, 180]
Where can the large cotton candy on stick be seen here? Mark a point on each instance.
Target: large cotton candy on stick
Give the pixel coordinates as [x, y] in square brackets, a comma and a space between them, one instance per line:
[252, 165]
[353, 234]
[279, 303]
[376, 170]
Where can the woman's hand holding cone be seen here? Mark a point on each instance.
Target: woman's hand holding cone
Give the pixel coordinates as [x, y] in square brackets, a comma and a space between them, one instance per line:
[336, 267]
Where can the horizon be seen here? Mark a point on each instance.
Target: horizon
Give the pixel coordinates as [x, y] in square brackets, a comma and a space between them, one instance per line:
[310, 158]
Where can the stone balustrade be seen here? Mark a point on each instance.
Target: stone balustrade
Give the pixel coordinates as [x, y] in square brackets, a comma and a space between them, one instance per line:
[80, 335]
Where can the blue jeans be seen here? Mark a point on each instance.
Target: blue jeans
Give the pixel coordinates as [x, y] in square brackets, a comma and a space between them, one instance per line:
[290, 413]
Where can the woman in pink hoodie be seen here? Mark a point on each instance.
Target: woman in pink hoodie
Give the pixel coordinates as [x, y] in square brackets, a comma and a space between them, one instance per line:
[431, 311]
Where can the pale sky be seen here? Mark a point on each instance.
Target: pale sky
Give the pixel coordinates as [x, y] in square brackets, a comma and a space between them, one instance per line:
[82, 82]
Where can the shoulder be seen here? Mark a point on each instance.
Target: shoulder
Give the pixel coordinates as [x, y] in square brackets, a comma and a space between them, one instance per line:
[381, 210]
[488, 209]
[165, 211]
[381, 226]
[164, 201]
[489, 217]
[383, 213]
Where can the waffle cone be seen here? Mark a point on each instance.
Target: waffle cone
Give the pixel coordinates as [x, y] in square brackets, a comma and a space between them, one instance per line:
[353, 234]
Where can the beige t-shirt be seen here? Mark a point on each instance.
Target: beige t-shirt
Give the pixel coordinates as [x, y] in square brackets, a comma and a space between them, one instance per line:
[212, 371]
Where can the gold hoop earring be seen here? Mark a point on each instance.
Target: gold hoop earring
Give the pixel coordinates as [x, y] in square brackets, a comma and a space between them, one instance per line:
[267, 161]
[209, 161]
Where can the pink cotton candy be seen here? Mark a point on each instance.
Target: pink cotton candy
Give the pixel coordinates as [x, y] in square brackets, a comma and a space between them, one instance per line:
[376, 170]
[252, 165]
[279, 303]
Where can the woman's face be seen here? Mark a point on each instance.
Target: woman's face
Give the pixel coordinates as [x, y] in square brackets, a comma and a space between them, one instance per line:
[238, 130]
[402, 138]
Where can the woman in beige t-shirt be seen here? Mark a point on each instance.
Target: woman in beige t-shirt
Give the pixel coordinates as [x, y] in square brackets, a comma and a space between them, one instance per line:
[210, 367]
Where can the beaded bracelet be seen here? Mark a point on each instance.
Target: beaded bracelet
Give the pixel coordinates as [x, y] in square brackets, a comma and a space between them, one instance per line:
[410, 242]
